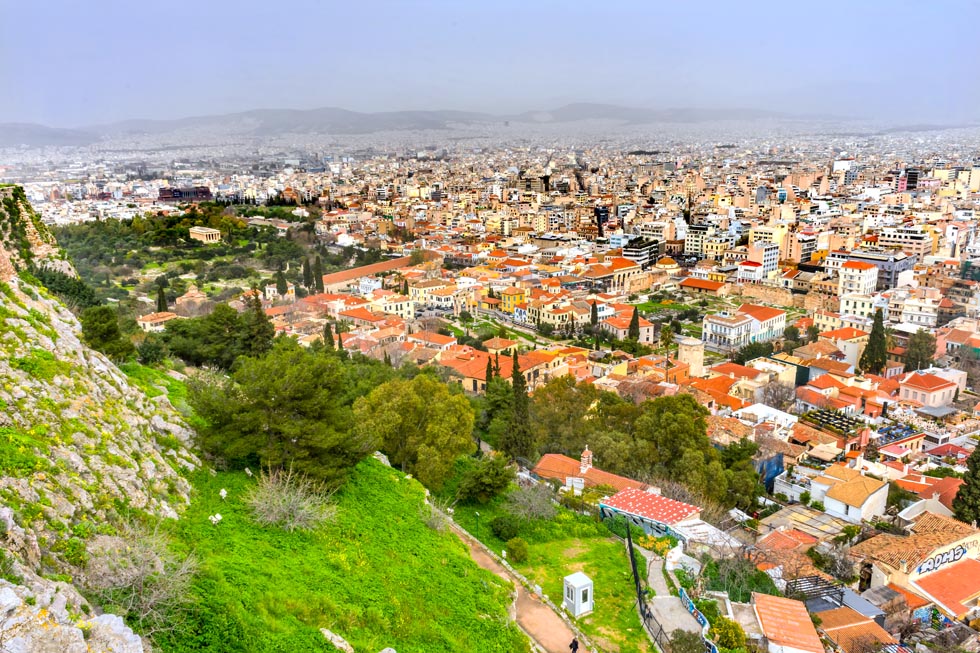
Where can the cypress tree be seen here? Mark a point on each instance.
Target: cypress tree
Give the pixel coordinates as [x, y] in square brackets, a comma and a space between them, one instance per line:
[318, 273]
[387, 359]
[634, 328]
[307, 274]
[340, 345]
[966, 505]
[281, 285]
[496, 364]
[489, 371]
[161, 300]
[518, 441]
[328, 337]
[875, 353]
[405, 287]
[594, 316]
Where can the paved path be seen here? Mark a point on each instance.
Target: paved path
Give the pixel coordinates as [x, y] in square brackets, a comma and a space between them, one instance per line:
[540, 622]
[668, 609]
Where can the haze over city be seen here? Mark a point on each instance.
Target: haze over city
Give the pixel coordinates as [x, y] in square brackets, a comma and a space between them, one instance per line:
[82, 64]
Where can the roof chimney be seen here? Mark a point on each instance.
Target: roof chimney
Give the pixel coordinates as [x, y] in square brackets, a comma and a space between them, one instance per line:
[586, 463]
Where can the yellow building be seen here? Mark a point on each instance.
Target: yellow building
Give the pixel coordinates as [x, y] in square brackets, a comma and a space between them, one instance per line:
[511, 297]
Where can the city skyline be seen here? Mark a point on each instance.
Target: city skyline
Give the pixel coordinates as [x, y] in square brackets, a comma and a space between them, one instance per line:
[77, 68]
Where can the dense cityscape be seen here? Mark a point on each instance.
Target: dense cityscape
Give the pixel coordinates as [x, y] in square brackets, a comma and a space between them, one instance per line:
[438, 327]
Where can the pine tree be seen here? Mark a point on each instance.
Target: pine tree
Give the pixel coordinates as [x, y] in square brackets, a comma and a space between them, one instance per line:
[966, 505]
[257, 331]
[328, 337]
[161, 300]
[318, 274]
[634, 329]
[307, 274]
[518, 440]
[594, 315]
[875, 353]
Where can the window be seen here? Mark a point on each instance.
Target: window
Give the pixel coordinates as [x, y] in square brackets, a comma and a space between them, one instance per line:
[570, 593]
[585, 595]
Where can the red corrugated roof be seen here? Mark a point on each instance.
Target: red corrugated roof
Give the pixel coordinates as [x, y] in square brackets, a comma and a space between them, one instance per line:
[651, 506]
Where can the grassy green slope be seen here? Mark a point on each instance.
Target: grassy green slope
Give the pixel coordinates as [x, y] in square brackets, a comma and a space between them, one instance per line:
[377, 576]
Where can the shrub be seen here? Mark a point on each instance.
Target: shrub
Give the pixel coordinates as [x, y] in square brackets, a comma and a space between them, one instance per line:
[289, 500]
[817, 505]
[517, 549]
[727, 633]
[505, 527]
[138, 576]
[805, 498]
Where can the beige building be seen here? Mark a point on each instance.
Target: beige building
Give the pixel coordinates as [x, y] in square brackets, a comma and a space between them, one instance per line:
[205, 234]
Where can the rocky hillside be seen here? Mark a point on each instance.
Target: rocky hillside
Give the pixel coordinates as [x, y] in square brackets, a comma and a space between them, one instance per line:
[82, 451]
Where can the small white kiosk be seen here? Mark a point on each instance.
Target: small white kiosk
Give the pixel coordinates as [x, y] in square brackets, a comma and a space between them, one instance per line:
[579, 599]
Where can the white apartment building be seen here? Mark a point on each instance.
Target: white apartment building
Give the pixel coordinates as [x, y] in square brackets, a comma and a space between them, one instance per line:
[857, 277]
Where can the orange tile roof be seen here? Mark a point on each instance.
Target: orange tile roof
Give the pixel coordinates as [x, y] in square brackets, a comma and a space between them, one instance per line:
[953, 585]
[913, 600]
[927, 382]
[857, 265]
[845, 333]
[786, 623]
[557, 466]
[851, 630]
[760, 313]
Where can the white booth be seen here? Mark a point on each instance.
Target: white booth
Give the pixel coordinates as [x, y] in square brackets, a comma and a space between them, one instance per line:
[579, 599]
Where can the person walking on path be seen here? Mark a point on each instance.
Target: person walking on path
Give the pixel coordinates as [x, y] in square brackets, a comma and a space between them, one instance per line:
[574, 645]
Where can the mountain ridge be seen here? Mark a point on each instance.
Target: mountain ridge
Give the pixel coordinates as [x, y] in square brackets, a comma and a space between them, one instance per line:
[336, 120]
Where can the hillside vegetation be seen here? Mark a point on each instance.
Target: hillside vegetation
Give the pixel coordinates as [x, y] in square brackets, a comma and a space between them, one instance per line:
[376, 575]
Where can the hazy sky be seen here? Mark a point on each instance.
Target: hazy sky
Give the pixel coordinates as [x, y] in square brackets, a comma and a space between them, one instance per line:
[74, 63]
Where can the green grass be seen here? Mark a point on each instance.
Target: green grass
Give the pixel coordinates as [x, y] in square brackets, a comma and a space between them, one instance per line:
[41, 365]
[568, 543]
[18, 455]
[378, 576]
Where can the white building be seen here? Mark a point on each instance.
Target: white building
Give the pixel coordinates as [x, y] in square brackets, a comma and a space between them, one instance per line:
[857, 277]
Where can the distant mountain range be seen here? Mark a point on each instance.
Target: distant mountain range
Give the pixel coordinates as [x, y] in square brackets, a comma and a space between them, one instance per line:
[330, 120]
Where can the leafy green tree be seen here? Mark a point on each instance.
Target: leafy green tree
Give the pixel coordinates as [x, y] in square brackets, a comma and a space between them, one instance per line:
[318, 274]
[283, 410]
[966, 504]
[417, 257]
[307, 274]
[875, 353]
[922, 348]
[100, 331]
[791, 333]
[752, 351]
[812, 333]
[560, 411]
[486, 479]
[518, 440]
[633, 331]
[161, 300]
[421, 425]
[152, 350]
[670, 428]
[682, 641]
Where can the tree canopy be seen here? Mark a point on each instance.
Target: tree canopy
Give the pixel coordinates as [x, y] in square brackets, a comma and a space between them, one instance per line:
[420, 424]
[285, 409]
[920, 352]
[966, 504]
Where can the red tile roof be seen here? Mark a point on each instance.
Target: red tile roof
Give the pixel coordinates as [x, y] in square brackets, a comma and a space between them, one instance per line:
[557, 466]
[857, 265]
[651, 506]
[760, 313]
[702, 284]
